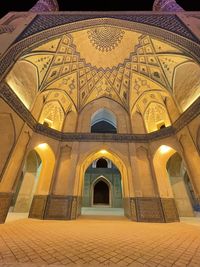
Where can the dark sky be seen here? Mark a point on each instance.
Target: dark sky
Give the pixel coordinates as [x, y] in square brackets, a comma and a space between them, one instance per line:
[65, 5]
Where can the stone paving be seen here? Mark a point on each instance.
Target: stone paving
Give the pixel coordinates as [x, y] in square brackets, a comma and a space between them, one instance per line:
[94, 241]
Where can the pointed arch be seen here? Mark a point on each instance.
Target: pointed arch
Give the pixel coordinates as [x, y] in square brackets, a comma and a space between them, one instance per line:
[52, 115]
[91, 157]
[103, 121]
[170, 170]
[35, 178]
[105, 197]
[186, 84]
[27, 183]
[181, 186]
[48, 162]
[160, 158]
[102, 163]
[155, 116]
[23, 80]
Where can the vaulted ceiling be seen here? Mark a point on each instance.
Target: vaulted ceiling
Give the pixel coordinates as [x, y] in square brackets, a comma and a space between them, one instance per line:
[100, 61]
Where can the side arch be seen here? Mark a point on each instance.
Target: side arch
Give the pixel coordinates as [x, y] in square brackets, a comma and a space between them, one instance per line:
[160, 158]
[186, 85]
[23, 80]
[170, 170]
[48, 162]
[155, 115]
[52, 115]
[27, 182]
[40, 199]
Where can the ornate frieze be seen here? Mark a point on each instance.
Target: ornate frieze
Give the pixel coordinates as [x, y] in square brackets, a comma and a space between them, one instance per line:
[9, 96]
[98, 137]
[169, 22]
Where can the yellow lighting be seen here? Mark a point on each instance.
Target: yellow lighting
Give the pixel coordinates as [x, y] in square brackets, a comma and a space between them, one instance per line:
[103, 151]
[49, 121]
[164, 149]
[42, 146]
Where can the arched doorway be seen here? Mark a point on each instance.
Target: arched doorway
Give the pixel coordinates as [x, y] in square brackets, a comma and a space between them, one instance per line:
[170, 171]
[101, 192]
[102, 189]
[26, 185]
[34, 180]
[181, 186]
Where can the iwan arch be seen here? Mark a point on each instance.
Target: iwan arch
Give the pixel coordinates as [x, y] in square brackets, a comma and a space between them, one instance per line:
[122, 89]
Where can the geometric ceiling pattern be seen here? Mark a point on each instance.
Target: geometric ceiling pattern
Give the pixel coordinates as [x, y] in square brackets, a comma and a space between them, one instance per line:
[105, 61]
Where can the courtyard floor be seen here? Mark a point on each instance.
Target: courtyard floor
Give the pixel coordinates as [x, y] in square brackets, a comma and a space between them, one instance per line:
[96, 240]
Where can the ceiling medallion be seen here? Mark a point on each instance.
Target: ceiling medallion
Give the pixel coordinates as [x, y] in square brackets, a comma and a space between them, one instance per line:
[105, 38]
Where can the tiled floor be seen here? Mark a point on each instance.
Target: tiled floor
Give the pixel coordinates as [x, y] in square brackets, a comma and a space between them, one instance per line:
[107, 241]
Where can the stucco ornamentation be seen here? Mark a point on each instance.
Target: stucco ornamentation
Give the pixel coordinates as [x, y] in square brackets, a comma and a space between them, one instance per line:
[105, 38]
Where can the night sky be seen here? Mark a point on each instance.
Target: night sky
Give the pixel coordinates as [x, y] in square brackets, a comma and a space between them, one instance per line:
[74, 5]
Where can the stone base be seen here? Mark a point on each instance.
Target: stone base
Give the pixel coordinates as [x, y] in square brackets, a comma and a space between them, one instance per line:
[38, 207]
[79, 205]
[61, 208]
[151, 209]
[54, 207]
[141, 209]
[130, 209]
[5, 202]
[169, 210]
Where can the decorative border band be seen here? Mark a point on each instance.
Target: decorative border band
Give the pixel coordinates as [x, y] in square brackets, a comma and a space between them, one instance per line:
[14, 102]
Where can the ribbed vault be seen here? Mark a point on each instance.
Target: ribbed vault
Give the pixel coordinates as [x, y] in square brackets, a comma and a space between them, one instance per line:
[87, 64]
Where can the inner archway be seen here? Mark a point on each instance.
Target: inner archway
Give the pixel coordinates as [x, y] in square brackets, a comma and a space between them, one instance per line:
[102, 163]
[101, 192]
